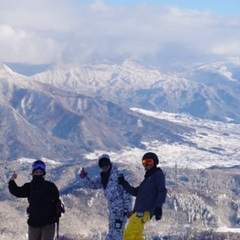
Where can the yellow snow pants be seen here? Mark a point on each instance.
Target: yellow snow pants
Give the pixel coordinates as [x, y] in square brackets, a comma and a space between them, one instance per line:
[135, 226]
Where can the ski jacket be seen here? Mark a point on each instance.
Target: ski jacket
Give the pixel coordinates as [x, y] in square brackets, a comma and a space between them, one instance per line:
[150, 194]
[42, 197]
[117, 197]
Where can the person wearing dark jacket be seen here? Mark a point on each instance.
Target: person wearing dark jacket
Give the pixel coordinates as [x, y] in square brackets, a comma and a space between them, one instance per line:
[43, 197]
[150, 196]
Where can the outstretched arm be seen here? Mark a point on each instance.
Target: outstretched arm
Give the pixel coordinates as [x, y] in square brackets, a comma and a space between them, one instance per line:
[20, 192]
[90, 183]
[132, 190]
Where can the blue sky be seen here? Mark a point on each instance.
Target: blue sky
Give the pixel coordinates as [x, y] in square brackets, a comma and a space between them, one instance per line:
[153, 32]
[226, 7]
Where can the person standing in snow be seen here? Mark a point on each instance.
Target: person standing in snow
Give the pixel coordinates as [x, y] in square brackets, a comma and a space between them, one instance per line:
[44, 207]
[150, 196]
[118, 200]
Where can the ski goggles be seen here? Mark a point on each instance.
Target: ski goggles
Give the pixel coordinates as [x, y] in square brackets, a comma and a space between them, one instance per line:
[147, 161]
[38, 166]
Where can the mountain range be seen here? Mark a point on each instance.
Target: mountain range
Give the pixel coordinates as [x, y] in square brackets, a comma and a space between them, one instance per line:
[62, 112]
[209, 91]
[38, 119]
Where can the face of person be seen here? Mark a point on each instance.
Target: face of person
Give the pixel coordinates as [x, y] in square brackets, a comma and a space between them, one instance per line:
[38, 172]
[148, 163]
[105, 168]
[148, 166]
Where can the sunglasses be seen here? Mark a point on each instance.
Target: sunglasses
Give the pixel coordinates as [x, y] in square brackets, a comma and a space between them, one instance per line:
[147, 161]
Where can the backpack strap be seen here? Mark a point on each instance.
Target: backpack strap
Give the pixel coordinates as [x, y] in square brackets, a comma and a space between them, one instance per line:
[57, 231]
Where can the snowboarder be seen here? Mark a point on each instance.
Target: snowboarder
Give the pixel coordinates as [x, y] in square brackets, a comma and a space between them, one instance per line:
[150, 196]
[44, 207]
[119, 201]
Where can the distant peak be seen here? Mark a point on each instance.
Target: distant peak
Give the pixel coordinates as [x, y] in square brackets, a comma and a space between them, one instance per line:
[5, 70]
[130, 63]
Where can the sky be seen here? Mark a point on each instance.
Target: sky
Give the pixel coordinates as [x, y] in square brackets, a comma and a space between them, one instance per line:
[217, 6]
[151, 32]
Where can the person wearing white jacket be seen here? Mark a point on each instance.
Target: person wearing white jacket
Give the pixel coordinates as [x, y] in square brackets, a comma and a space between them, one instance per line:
[118, 200]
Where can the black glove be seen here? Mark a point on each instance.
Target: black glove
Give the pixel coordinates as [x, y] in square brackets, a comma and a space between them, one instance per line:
[158, 213]
[83, 173]
[60, 208]
[121, 179]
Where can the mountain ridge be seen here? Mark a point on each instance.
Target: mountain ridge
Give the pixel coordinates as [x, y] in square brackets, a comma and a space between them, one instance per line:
[205, 91]
[43, 119]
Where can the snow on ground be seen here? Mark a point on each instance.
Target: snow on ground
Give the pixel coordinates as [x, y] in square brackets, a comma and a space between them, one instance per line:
[216, 144]
[227, 229]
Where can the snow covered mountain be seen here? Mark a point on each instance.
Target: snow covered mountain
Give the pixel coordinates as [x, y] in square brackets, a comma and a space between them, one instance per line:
[39, 118]
[209, 91]
[76, 109]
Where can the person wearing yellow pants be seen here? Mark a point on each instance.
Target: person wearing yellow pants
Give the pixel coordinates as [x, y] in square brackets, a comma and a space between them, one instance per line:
[150, 196]
[135, 226]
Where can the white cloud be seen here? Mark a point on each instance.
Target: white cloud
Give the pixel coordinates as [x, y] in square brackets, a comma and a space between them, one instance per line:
[59, 30]
[19, 45]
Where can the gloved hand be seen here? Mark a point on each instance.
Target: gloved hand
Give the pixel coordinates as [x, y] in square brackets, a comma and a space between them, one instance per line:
[128, 214]
[158, 213]
[121, 179]
[83, 173]
[14, 176]
[60, 208]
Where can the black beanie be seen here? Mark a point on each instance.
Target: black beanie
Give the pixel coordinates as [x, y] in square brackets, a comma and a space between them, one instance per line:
[151, 155]
[104, 160]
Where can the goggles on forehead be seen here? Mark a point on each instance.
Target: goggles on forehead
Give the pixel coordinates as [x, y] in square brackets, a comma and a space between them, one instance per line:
[147, 161]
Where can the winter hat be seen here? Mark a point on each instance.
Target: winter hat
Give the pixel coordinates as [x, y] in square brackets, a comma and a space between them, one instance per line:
[104, 160]
[38, 164]
[152, 156]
